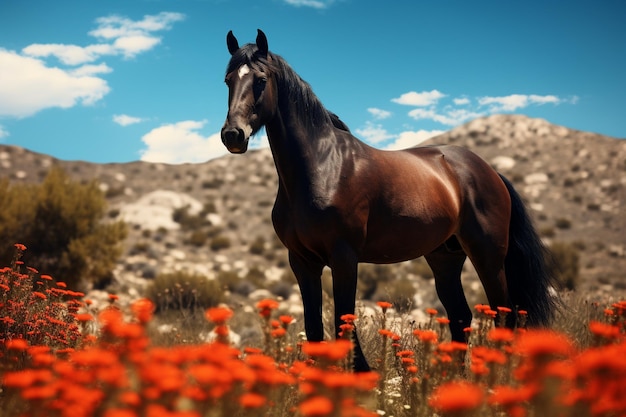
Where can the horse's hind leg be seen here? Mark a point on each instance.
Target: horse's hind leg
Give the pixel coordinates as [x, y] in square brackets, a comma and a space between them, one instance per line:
[446, 267]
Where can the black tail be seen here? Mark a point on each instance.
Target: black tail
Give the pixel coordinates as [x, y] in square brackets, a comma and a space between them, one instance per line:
[529, 274]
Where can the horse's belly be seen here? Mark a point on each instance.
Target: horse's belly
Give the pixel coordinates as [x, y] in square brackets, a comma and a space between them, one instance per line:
[401, 241]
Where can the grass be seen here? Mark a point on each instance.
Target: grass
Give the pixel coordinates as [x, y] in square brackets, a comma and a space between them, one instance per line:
[61, 358]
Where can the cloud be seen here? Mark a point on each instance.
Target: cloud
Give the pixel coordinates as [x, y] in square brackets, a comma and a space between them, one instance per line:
[27, 86]
[120, 36]
[315, 4]
[373, 133]
[450, 117]
[514, 102]
[126, 120]
[379, 113]
[409, 138]
[3, 133]
[181, 143]
[425, 98]
[461, 101]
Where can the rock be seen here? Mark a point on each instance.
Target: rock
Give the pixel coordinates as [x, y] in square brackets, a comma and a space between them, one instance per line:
[155, 210]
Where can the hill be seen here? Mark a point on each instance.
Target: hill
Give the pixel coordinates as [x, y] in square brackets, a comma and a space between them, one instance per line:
[214, 218]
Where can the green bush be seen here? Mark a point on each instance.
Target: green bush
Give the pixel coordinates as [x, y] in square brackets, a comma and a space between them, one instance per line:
[61, 223]
[184, 291]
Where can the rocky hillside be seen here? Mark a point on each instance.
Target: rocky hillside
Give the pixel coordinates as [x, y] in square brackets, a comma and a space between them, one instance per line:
[214, 217]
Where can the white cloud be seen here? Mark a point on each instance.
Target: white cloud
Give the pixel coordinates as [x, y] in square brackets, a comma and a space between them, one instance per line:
[379, 113]
[315, 4]
[181, 143]
[374, 133]
[87, 70]
[408, 139]
[451, 117]
[3, 133]
[126, 120]
[461, 101]
[425, 98]
[514, 102]
[121, 35]
[27, 86]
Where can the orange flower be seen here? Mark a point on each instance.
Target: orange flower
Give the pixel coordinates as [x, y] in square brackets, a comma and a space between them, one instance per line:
[16, 344]
[384, 305]
[20, 247]
[316, 406]
[456, 396]
[426, 336]
[506, 396]
[277, 333]
[83, 317]
[442, 320]
[603, 330]
[500, 335]
[143, 309]
[543, 342]
[119, 412]
[333, 351]
[348, 318]
[252, 400]
[286, 320]
[39, 295]
[431, 312]
[113, 297]
[266, 306]
[218, 315]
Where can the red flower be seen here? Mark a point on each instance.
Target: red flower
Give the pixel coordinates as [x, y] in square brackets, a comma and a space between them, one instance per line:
[316, 406]
[218, 315]
[143, 309]
[431, 312]
[384, 305]
[266, 306]
[252, 400]
[456, 396]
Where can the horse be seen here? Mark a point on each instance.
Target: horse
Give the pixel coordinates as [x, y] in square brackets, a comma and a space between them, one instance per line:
[341, 202]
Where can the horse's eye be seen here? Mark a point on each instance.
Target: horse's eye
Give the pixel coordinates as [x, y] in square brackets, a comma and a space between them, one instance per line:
[261, 81]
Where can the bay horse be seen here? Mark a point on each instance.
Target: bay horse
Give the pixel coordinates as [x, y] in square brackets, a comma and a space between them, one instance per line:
[341, 202]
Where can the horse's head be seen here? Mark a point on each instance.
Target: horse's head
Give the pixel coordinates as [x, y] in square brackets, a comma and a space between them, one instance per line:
[252, 94]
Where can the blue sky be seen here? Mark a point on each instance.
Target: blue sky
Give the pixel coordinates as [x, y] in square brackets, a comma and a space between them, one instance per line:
[123, 80]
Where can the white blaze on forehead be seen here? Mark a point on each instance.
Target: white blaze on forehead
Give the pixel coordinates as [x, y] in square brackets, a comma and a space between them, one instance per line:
[243, 70]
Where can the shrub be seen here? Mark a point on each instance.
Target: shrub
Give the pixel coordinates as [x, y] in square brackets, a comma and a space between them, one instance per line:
[197, 238]
[563, 223]
[220, 242]
[566, 264]
[187, 220]
[184, 291]
[60, 221]
[258, 246]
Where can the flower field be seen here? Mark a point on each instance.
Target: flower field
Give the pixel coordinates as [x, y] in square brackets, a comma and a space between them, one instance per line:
[62, 358]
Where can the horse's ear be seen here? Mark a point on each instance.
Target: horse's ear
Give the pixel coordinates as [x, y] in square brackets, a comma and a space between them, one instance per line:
[231, 41]
[261, 42]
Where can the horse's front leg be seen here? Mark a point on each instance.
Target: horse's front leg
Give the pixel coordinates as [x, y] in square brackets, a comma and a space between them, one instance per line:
[344, 266]
[308, 274]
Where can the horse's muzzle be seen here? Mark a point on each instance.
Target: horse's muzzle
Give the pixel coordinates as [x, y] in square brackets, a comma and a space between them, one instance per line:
[234, 139]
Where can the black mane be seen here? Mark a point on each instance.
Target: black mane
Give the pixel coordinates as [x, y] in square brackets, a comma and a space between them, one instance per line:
[292, 87]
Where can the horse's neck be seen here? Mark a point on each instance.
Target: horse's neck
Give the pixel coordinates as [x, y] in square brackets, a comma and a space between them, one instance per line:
[308, 165]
